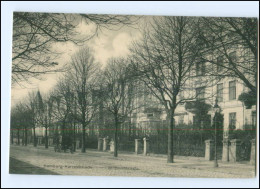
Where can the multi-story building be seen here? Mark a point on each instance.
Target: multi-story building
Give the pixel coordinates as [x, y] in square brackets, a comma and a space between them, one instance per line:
[206, 83]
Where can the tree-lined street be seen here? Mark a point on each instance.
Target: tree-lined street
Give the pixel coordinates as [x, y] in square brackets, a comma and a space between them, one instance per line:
[183, 87]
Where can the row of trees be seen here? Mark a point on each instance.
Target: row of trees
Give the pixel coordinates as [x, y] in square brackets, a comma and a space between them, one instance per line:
[79, 96]
[164, 60]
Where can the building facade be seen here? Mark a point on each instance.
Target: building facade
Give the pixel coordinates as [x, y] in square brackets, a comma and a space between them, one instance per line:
[205, 84]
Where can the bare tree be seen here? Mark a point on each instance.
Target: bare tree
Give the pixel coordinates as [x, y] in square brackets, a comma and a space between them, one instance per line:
[119, 93]
[230, 44]
[15, 125]
[164, 60]
[64, 98]
[44, 113]
[33, 111]
[22, 120]
[39, 111]
[83, 76]
[48, 117]
[34, 35]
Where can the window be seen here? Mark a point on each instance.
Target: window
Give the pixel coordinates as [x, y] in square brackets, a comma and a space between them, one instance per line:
[253, 118]
[181, 119]
[233, 58]
[149, 115]
[200, 93]
[232, 120]
[220, 92]
[232, 90]
[200, 68]
[220, 63]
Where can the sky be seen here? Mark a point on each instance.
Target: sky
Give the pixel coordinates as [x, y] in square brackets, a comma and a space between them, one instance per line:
[108, 44]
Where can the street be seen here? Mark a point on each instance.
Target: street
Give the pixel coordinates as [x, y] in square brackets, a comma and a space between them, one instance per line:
[19, 167]
[95, 163]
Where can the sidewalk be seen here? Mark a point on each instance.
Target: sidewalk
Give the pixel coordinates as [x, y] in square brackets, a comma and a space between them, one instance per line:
[95, 163]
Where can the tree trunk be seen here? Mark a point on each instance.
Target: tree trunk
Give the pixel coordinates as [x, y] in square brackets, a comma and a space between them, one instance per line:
[34, 138]
[46, 137]
[26, 138]
[74, 137]
[170, 157]
[62, 134]
[12, 136]
[129, 132]
[23, 137]
[18, 136]
[116, 137]
[83, 148]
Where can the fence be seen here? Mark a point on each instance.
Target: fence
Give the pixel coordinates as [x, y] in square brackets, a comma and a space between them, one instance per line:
[245, 136]
[187, 141]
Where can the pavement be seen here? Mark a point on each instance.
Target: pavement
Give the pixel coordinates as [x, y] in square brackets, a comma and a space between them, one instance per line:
[20, 167]
[96, 163]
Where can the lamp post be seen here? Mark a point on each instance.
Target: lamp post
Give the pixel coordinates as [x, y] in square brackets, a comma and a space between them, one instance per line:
[216, 110]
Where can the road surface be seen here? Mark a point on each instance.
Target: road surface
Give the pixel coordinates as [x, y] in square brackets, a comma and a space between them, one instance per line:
[95, 163]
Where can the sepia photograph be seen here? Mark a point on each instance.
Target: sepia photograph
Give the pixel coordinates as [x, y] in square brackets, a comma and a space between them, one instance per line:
[133, 95]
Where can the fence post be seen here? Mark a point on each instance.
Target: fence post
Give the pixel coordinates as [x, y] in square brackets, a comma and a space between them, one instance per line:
[225, 150]
[137, 146]
[100, 142]
[234, 150]
[105, 140]
[252, 154]
[112, 146]
[209, 150]
[146, 146]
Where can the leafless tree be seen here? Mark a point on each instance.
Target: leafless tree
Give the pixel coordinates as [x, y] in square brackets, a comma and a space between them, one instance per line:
[15, 125]
[34, 35]
[32, 106]
[83, 72]
[21, 119]
[44, 113]
[230, 44]
[48, 117]
[118, 82]
[164, 60]
[63, 95]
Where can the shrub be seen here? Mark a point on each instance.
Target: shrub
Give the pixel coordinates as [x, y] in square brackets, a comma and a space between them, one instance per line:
[249, 99]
